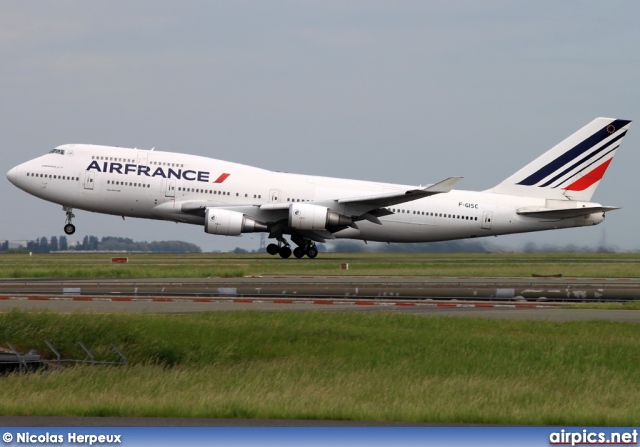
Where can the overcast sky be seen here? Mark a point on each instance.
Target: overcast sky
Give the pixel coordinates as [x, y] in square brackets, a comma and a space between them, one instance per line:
[399, 91]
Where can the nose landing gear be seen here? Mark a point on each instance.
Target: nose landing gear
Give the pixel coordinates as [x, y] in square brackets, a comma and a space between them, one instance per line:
[69, 228]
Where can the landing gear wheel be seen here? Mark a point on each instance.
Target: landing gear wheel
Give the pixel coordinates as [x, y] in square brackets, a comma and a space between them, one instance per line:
[298, 252]
[273, 249]
[285, 252]
[69, 228]
[312, 252]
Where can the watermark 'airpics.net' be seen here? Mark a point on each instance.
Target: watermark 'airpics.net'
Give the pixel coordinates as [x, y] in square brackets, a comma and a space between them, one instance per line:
[590, 437]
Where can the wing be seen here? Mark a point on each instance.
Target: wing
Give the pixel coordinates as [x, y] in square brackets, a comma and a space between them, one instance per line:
[372, 206]
[345, 211]
[402, 196]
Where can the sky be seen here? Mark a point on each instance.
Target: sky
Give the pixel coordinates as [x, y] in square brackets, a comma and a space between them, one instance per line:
[407, 92]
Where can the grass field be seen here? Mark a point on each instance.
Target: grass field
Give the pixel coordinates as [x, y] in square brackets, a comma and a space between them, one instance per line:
[337, 366]
[229, 265]
[373, 367]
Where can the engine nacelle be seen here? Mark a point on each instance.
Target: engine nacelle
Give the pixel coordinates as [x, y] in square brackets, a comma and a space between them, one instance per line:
[305, 216]
[230, 223]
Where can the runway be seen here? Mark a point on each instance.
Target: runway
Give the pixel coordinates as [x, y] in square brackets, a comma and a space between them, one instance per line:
[452, 297]
[360, 287]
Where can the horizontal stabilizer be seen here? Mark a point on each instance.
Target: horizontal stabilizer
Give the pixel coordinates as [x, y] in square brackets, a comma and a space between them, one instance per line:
[564, 213]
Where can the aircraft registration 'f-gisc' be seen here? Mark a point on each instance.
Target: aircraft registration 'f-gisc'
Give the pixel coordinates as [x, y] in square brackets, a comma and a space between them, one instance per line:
[551, 192]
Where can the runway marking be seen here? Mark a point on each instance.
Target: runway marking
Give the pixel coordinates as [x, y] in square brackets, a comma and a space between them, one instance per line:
[272, 301]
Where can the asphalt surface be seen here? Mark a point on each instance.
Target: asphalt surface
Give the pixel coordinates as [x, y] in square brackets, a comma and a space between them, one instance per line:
[454, 297]
[379, 287]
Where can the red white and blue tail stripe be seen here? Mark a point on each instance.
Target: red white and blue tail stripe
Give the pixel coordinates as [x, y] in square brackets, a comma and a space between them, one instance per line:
[572, 169]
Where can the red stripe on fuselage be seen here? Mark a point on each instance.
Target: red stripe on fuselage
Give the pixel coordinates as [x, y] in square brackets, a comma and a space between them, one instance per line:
[222, 178]
[589, 179]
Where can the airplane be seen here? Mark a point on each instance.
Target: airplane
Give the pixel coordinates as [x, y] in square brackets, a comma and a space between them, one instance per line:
[225, 198]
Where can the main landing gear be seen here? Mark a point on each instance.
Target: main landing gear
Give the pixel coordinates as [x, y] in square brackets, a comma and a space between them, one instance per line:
[69, 228]
[308, 249]
[284, 249]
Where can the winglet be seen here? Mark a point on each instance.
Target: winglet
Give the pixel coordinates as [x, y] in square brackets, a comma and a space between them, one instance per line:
[443, 186]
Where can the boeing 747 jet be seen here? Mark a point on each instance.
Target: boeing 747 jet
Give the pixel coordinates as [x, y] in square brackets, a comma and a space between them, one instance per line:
[229, 199]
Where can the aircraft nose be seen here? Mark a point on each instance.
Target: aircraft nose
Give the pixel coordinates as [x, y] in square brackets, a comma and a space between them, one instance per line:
[12, 175]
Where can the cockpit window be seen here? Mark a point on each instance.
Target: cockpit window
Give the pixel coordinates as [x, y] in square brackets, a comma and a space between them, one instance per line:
[57, 151]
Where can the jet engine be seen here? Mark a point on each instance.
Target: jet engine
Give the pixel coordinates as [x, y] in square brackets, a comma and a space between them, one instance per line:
[230, 223]
[305, 216]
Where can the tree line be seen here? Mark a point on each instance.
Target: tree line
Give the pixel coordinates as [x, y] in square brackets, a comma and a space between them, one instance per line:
[107, 243]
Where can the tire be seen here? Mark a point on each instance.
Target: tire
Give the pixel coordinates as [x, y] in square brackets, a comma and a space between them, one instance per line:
[273, 249]
[285, 252]
[298, 252]
[69, 229]
[312, 252]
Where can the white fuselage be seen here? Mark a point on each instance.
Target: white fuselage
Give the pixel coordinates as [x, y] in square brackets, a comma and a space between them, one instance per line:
[155, 185]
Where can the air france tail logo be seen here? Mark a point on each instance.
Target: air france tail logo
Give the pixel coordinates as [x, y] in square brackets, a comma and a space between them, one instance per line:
[584, 164]
[179, 174]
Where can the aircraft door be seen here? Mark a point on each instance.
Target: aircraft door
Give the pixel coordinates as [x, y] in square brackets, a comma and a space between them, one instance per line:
[487, 216]
[142, 158]
[89, 180]
[170, 190]
[273, 195]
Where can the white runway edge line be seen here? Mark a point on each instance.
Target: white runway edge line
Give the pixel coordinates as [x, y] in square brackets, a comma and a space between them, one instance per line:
[272, 301]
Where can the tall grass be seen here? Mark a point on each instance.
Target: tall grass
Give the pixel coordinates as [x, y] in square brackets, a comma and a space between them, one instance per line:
[383, 367]
[207, 265]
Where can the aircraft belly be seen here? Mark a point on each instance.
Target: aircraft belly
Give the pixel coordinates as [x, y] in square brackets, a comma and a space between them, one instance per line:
[394, 232]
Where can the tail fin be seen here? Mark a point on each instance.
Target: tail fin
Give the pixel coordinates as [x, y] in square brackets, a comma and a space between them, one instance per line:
[572, 169]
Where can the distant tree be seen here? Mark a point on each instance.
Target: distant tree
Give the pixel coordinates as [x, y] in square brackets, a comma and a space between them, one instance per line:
[174, 247]
[36, 245]
[64, 245]
[108, 243]
[5, 246]
[118, 244]
[439, 247]
[44, 245]
[93, 243]
[53, 244]
[430, 247]
[350, 247]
